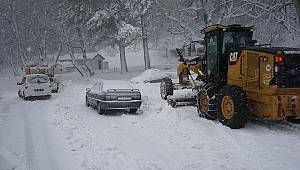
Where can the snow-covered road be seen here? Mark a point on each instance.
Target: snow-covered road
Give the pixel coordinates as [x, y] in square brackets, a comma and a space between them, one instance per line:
[64, 134]
[27, 139]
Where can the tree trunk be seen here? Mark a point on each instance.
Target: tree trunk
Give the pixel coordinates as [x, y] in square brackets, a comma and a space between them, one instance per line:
[13, 68]
[297, 4]
[83, 51]
[16, 32]
[63, 39]
[123, 58]
[145, 44]
[70, 50]
[59, 52]
[71, 53]
[45, 39]
[41, 54]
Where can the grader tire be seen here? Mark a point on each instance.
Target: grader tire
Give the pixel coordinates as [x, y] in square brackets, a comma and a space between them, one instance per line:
[233, 107]
[166, 88]
[207, 101]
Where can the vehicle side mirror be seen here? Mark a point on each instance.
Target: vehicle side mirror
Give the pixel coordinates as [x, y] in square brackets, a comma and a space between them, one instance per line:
[88, 89]
[252, 42]
[229, 46]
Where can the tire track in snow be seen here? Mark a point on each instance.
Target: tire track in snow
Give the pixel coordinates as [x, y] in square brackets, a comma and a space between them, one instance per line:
[29, 146]
[134, 143]
[9, 158]
[94, 148]
[182, 124]
[38, 146]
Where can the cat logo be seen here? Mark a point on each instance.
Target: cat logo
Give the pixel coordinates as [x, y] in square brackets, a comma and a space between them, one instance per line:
[233, 57]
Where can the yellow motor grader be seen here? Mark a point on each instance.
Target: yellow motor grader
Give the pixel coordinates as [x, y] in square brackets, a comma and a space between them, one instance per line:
[242, 78]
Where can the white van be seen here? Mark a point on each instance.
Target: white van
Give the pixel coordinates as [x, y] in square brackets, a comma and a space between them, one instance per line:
[34, 85]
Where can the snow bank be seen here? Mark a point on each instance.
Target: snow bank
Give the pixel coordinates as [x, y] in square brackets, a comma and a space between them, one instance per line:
[150, 76]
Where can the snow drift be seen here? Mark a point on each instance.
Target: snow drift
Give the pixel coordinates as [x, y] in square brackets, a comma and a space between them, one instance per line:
[150, 76]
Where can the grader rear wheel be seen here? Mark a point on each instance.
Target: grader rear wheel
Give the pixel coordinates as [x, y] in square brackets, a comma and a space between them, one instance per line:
[227, 107]
[233, 107]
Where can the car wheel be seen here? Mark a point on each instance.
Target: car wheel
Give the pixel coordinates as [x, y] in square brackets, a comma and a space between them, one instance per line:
[24, 97]
[19, 93]
[99, 109]
[87, 102]
[132, 111]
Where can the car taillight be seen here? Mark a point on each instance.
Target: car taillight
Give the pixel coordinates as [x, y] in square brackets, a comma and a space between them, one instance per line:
[136, 96]
[279, 59]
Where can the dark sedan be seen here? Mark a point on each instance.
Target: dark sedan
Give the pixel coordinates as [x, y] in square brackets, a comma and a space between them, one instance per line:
[113, 95]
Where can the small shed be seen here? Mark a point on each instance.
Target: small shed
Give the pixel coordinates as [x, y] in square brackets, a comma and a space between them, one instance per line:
[97, 62]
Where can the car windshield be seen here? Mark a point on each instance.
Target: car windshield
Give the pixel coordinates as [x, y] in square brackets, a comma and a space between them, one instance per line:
[37, 79]
[113, 84]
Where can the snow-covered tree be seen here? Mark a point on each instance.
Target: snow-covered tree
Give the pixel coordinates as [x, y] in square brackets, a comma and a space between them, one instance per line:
[32, 29]
[274, 20]
[142, 10]
[117, 23]
[297, 4]
[75, 15]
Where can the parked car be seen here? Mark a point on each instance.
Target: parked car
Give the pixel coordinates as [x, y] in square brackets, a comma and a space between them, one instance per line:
[111, 95]
[34, 85]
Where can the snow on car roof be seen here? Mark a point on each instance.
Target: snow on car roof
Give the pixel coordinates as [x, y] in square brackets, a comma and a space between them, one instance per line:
[114, 84]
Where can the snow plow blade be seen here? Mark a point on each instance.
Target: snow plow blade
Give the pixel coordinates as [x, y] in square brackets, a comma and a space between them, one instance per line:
[187, 101]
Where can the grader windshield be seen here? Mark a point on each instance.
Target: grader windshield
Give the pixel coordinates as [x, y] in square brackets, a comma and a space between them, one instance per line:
[234, 39]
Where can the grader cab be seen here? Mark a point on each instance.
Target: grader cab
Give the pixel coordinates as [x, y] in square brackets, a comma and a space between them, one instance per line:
[241, 78]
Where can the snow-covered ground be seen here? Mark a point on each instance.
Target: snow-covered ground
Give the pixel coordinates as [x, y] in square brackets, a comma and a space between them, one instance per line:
[62, 133]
